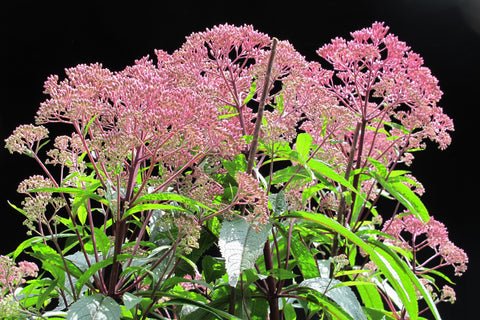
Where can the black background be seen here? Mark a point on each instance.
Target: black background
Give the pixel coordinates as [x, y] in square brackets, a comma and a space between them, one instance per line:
[40, 38]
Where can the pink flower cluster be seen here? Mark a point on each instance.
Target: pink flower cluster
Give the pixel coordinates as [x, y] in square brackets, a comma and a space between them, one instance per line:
[12, 276]
[26, 139]
[250, 193]
[194, 101]
[379, 78]
[201, 101]
[414, 235]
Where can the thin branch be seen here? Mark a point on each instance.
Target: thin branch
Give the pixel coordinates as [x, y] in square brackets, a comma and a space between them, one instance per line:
[261, 107]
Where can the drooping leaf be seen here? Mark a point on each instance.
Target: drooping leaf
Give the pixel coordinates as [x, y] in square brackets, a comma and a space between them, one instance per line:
[407, 275]
[240, 245]
[278, 202]
[305, 260]
[53, 262]
[343, 296]
[95, 307]
[397, 272]
[327, 171]
[26, 244]
[166, 196]
[76, 191]
[405, 195]
[152, 206]
[130, 300]
[370, 297]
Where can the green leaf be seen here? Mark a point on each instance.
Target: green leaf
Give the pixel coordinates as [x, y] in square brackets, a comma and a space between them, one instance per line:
[283, 175]
[52, 261]
[85, 131]
[102, 241]
[166, 196]
[130, 300]
[219, 314]
[278, 202]
[396, 271]
[289, 312]
[279, 103]
[405, 195]
[228, 115]
[240, 245]
[327, 171]
[378, 314]
[95, 307]
[381, 169]
[152, 206]
[76, 191]
[253, 89]
[303, 145]
[407, 276]
[212, 268]
[281, 274]
[326, 305]
[81, 212]
[26, 244]
[96, 267]
[370, 297]
[305, 260]
[239, 163]
[309, 192]
[343, 296]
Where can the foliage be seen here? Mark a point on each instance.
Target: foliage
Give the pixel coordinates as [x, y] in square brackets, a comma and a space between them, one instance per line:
[233, 179]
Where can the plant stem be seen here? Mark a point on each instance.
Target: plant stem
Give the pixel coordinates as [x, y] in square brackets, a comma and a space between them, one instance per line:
[342, 205]
[261, 107]
[272, 297]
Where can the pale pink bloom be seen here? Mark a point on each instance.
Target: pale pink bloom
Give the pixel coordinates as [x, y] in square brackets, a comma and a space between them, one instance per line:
[26, 138]
[411, 233]
[379, 78]
[250, 193]
[11, 275]
[28, 269]
[448, 294]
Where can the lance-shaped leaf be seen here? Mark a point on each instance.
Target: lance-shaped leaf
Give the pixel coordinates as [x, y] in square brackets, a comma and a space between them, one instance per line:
[326, 171]
[240, 246]
[405, 195]
[75, 191]
[167, 197]
[402, 279]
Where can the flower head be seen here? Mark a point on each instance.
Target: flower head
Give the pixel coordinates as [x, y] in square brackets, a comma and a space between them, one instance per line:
[25, 139]
[378, 78]
[410, 232]
[448, 294]
[11, 275]
[250, 193]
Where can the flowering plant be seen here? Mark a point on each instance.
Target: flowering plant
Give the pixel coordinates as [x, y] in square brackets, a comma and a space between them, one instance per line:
[234, 179]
